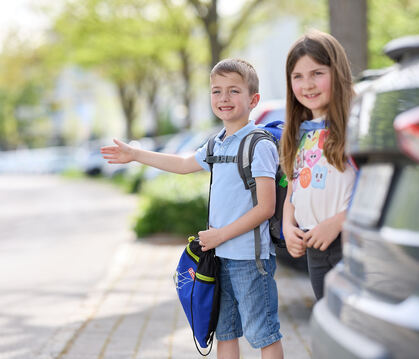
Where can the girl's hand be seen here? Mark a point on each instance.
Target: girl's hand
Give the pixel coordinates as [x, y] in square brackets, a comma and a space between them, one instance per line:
[210, 238]
[121, 153]
[294, 240]
[321, 236]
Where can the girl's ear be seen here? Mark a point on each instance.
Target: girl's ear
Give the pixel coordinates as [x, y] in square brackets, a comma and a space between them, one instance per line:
[254, 100]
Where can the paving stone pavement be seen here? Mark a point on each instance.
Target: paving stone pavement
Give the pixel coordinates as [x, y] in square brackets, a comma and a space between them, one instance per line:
[134, 312]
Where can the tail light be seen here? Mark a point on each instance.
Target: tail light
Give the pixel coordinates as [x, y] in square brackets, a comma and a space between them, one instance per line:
[407, 129]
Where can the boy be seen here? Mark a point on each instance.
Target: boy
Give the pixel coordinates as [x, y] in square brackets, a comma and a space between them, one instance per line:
[249, 299]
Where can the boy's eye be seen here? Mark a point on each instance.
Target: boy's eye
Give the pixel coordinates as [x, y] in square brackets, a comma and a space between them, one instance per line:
[235, 91]
[214, 92]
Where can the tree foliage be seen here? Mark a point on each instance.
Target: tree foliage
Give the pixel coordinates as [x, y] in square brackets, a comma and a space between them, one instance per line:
[23, 82]
[388, 20]
[130, 42]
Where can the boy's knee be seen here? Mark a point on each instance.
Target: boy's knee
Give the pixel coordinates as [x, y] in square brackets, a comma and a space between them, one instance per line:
[228, 349]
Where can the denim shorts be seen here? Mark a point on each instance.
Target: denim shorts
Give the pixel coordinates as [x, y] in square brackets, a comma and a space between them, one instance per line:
[248, 303]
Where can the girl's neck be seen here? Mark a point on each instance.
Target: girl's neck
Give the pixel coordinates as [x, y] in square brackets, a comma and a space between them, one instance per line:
[321, 117]
[318, 114]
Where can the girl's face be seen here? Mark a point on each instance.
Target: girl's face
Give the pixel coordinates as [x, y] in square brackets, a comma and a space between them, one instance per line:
[311, 85]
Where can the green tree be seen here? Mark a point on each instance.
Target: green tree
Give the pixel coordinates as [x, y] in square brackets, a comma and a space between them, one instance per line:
[127, 40]
[189, 49]
[218, 41]
[140, 44]
[221, 33]
[388, 20]
[23, 84]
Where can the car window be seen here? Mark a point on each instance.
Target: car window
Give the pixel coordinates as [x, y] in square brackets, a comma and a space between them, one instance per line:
[386, 107]
[403, 209]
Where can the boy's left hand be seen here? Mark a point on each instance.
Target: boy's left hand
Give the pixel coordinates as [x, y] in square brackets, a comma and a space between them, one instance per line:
[210, 238]
[321, 236]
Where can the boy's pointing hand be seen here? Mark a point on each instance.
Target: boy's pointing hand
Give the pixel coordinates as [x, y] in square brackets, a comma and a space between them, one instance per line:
[121, 153]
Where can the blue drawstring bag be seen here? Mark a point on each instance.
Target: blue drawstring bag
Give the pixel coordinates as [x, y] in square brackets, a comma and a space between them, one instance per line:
[198, 290]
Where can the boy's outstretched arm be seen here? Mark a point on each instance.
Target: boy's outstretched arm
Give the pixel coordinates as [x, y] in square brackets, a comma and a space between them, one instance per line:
[293, 235]
[121, 152]
[265, 189]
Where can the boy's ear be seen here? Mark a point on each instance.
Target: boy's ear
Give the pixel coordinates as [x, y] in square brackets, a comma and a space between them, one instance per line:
[254, 100]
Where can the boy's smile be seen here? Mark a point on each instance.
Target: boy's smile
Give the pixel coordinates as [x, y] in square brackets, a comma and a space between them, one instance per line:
[230, 98]
[226, 108]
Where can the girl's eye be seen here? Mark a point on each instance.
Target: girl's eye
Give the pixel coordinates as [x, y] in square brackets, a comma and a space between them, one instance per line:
[215, 92]
[318, 73]
[295, 77]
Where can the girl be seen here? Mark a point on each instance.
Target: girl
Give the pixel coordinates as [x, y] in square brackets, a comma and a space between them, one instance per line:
[319, 93]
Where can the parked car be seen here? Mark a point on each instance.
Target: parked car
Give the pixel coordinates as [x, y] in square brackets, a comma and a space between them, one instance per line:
[371, 304]
[182, 143]
[268, 111]
[54, 159]
[94, 164]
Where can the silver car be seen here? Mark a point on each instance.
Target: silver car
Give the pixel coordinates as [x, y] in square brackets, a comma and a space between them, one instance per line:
[371, 304]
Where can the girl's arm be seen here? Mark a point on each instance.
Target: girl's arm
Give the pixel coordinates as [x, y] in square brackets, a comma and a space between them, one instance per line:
[321, 236]
[265, 191]
[293, 235]
[124, 153]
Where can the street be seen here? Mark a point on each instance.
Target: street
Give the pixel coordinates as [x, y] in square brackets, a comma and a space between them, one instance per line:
[76, 284]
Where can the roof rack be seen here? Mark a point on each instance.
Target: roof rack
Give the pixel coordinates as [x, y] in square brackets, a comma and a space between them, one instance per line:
[397, 49]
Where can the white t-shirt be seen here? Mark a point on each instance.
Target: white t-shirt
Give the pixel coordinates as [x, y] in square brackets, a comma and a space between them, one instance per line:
[320, 191]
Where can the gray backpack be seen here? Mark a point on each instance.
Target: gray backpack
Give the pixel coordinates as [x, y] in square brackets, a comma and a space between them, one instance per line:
[244, 159]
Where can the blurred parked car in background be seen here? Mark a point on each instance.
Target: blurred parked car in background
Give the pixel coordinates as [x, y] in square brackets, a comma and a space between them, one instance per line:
[54, 159]
[94, 164]
[182, 143]
[268, 111]
[371, 304]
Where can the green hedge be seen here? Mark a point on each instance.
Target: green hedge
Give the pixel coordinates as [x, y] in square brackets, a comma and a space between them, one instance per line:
[175, 204]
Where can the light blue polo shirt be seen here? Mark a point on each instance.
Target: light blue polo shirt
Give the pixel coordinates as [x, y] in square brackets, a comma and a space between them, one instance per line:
[230, 200]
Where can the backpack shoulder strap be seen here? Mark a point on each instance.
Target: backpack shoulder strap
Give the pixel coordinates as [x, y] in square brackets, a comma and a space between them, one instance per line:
[210, 151]
[245, 154]
[244, 164]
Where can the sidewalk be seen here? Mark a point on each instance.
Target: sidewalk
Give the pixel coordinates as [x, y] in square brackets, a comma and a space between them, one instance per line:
[134, 312]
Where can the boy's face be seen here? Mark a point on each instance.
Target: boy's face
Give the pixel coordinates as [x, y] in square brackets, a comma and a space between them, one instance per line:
[230, 98]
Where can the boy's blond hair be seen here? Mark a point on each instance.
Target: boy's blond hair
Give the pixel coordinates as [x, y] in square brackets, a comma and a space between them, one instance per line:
[241, 67]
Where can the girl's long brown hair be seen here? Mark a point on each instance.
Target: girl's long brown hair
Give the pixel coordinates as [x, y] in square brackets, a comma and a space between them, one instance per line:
[325, 50]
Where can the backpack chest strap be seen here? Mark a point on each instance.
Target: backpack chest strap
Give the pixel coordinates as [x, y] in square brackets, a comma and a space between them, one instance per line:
[221, 159]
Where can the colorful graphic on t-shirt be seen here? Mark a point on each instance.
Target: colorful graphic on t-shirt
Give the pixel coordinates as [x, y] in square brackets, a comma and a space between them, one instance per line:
[322, 137]
[312, 157]
[318, 178]
[299, 161]
[302, 140]
[309, 162]
[305, 177]
[311, 139]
